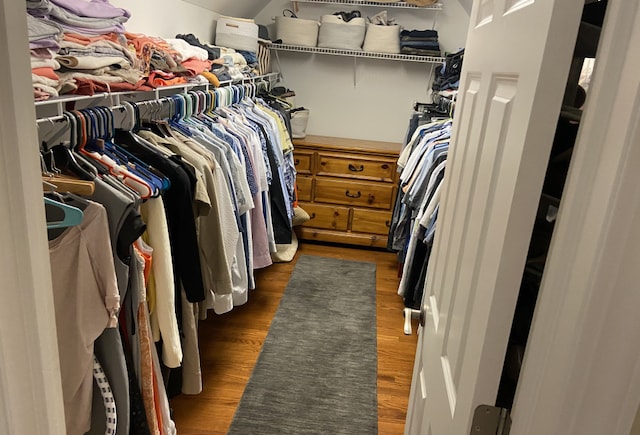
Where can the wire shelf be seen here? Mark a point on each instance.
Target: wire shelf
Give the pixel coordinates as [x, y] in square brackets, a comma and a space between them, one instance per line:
[399, 4]
[116, 97]
[357, 53]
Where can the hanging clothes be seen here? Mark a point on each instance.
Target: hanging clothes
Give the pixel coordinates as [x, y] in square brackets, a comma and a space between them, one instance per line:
[422, 162]
[86, 301]
[182, 212]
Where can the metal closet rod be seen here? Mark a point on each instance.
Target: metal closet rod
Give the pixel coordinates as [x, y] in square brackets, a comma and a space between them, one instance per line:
[58, 118]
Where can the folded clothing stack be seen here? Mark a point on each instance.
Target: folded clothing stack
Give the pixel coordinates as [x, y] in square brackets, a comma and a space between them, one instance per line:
[82, 47]
[419, 42]
[85, 17]
[62, 65]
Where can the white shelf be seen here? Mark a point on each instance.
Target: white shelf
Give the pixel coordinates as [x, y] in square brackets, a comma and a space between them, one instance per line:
[114, 98]
[356, 53]
[399, 5]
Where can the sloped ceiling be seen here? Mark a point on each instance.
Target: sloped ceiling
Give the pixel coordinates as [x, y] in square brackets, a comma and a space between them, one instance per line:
[466, 4]
[233, 8]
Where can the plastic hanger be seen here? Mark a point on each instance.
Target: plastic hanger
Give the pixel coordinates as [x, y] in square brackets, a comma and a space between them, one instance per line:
[124, 175]
[72, 215]
[124, 158]
[176, 120]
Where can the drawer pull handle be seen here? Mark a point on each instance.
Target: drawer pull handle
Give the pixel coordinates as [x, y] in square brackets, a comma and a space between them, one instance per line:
[297, 162]
[353, 195]
[353, 168]
[385, 166]
[387, 224]
[312, 216]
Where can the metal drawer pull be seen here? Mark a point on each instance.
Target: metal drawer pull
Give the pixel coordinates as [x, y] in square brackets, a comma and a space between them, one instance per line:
[297, 162]
[351, 195]
[312, 216]
[353, 168]
[387, 224]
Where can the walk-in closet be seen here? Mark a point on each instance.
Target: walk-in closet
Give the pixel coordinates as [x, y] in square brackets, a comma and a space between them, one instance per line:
[319, 216]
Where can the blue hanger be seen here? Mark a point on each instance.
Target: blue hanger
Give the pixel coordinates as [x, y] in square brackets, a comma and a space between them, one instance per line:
[175, 120]
[125, 158]
[72, 215]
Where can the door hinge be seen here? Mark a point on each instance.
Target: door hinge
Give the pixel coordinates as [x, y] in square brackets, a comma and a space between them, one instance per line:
[491, 420]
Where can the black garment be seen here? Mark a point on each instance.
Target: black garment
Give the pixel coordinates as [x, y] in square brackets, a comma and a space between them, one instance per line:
[413, 292]
[178, 201]
[281, 224]
[213, 52]
[593, 13]
[132, 228]
[419, 34]
[449, 73]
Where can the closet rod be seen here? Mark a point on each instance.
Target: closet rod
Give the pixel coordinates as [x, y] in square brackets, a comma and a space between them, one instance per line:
[56, 118]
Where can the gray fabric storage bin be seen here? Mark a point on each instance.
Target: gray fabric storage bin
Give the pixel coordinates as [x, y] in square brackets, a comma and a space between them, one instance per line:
[336, 33]
[297, 31]
[382, 39]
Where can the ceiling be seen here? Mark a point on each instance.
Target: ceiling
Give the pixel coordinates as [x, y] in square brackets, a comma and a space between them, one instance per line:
[233, 8]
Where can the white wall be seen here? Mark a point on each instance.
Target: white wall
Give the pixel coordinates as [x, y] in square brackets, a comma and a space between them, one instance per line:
[167, 18]
[376, 108]
[379, 105]
[233, 8]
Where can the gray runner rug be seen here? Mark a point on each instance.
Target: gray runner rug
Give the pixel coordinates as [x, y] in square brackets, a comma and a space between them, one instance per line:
[317, 371]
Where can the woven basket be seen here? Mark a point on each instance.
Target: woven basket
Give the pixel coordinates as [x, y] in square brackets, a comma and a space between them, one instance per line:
[382, 39]
[297, 31]
[336, 33]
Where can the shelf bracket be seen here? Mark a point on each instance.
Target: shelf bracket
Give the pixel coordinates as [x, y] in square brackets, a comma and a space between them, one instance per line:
[355, 71]
[279, 65]
[429, 82]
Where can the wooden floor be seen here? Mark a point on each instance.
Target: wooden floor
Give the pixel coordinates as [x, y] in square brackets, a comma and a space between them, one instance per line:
[230, 344]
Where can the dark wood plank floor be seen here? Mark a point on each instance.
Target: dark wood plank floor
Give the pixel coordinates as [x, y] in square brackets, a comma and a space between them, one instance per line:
[230, 344]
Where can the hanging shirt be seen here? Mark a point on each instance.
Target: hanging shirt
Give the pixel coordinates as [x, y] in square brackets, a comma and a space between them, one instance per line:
[86, 301]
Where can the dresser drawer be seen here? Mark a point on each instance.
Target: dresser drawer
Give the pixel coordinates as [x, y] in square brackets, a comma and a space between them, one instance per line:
[371, 221]
[303, 161]
[305, 188]
[356, 193]
[326, 216]
[355, 166]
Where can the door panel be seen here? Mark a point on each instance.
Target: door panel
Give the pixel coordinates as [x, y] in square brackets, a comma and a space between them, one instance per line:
[510, 95]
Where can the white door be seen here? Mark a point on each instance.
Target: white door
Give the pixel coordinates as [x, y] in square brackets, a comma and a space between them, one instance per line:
[513, 78]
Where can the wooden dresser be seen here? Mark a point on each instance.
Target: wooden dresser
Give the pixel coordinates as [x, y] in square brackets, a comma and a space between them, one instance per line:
[348, 187]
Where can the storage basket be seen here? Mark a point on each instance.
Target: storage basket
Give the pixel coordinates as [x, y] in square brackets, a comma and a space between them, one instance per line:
[337, 33]
[297, 31]
[422, 2]
[237, 33]
[382, 39]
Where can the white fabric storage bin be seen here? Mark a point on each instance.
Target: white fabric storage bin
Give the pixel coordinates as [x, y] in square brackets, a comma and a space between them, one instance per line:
[237, 33]
[336, 33]
[382, 39]
[297, 31]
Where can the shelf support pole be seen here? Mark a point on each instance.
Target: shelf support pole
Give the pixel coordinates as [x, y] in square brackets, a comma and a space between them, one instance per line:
[355, 71]
[429, 82]
[279, 65]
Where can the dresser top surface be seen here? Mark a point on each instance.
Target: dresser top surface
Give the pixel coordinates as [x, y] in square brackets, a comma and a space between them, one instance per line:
[345, 144]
